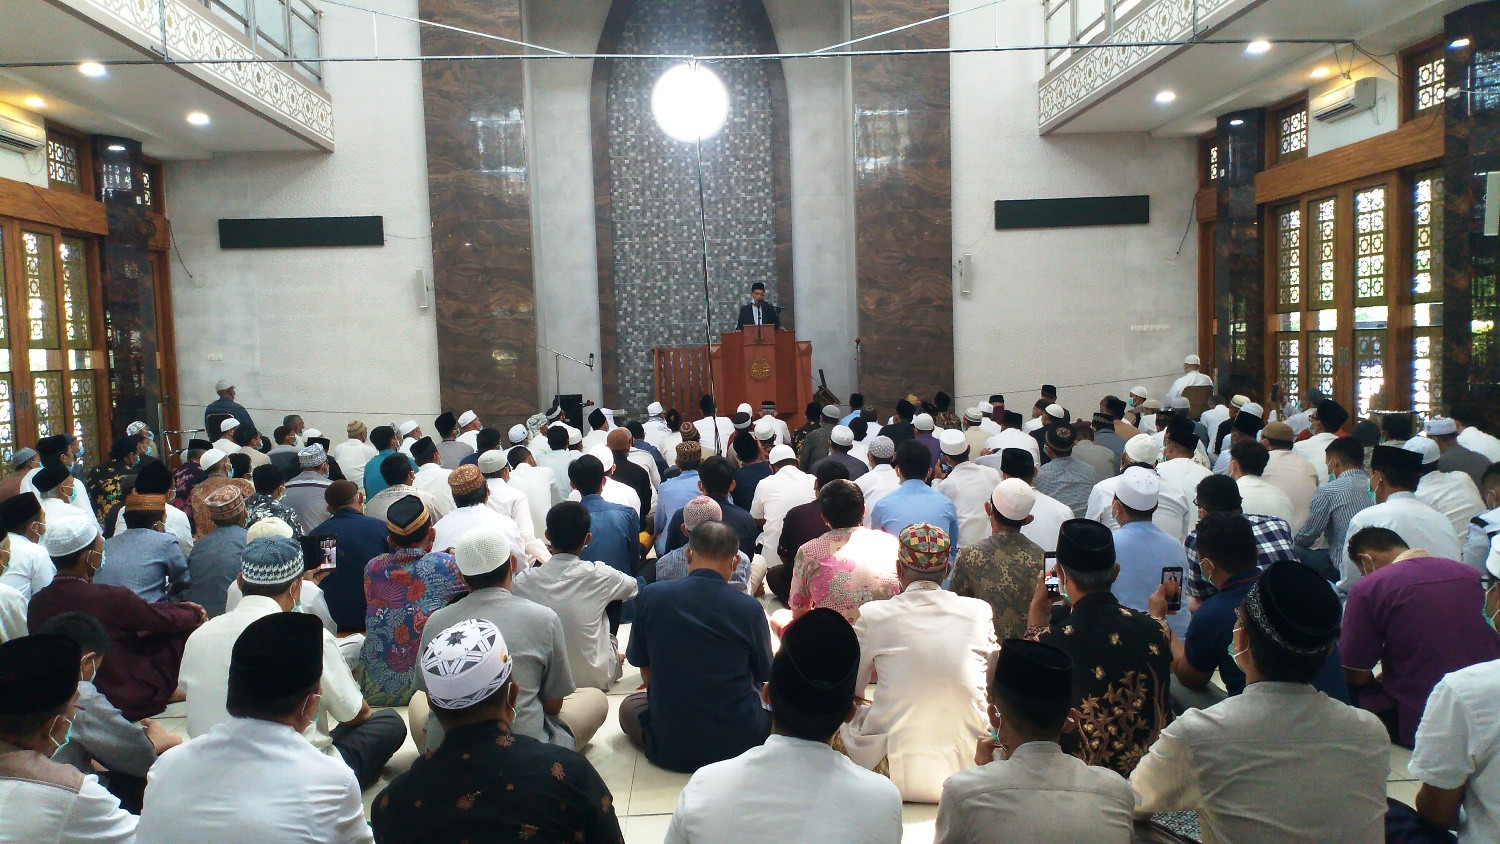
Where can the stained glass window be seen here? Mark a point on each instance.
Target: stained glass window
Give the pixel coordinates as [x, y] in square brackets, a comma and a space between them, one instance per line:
[1429, 83]
[1427, 292]
[48, 393]
[1291, 133]
[1289, 364]
[85, 412]
[1289, 258]
[7, 418]
[4, 327]
[1320, 362]
[1213, 163]
[39, 263]
[1369, 246]
[1321, 253]
[76, 304]
[62, 162]
[146, 198]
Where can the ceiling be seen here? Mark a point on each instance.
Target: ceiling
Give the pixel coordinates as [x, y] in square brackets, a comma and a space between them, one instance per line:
[1213, 79]
[147, 103]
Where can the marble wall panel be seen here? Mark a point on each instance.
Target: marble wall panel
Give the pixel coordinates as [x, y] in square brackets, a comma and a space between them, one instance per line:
[129, 294]
[1239, 268]
[481, 219]
[903, 204]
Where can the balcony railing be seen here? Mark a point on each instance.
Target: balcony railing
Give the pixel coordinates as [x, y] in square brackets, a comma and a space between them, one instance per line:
[1081, 22]
[288, 29]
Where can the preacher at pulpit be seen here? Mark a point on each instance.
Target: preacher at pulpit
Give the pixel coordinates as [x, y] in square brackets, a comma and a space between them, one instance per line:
[759, 311]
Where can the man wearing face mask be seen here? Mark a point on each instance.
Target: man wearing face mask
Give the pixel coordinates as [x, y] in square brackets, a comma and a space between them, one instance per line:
[30, 568]
[1121, 660]
[146, 640]
[54, 801]
[284, 787]
[1455, 752]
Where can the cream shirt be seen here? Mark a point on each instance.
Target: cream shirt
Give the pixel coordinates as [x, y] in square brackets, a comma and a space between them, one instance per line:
[1175, 513]
[1455, 496]
[352, 457]
[516, 506]
[932, 651]
[1039, 795]
[578, 591]
[1330, 763]
[540, 487]
[969, 486]
[1261, 499]
[1047, 516]
[433, 480]
[1314, 450]
[39, 812]
[1296, 478]
[30, 570]
[876, 484]
[1418, 525]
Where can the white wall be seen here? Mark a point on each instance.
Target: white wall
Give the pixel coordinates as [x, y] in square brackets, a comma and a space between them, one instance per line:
[334, 334]
[1057, 306]
[30, 168]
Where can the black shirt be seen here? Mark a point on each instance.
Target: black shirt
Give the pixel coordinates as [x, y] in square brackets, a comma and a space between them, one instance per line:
[746, 479]
[735, 517]
[899, 433]
[485, 783]
[1122, 667]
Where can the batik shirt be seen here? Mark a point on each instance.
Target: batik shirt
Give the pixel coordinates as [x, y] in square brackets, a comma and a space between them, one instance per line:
[844, 568]
[484, 783]
[1121, 673]
[104, 486]
[401, 590]
[259, 507]
[1001, 571]
[187, 476]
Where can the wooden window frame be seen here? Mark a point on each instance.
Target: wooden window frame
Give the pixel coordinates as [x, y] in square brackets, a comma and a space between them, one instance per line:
[158, 184]
[1407, 63]
[1274, 116]
[86, 181]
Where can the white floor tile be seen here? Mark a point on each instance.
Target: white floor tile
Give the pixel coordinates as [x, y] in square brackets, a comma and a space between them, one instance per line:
[645, 829]
[1400, 756]
[655, 790]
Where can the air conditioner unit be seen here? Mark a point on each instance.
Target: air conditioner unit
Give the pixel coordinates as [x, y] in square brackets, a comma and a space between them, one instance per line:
[1344, 101]
[20, 135]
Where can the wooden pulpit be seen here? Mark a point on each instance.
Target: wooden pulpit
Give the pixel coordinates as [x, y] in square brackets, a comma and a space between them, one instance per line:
[753, 365]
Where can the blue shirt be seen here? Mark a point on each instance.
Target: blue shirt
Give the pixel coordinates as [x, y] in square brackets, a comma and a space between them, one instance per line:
[672, 496]
[912, 503]
[213, 565]
[361, 539]
[709, 650]
[1211, 631]
[143, 560]
[617, 531]
[374, 481]
[746, 479]
[226, 407]
[1142, 549]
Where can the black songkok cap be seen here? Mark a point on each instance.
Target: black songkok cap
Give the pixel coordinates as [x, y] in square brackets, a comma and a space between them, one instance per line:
[38, 673]
[904, 409]
[18, 510]
[1016, 462]
[1060, 438]
[942, 401]
[1395, 457]
[1247, 424]
[1049, 390]
[596, 418]
[423, 449]
[199, 445]
[48, 478]
[49, 447]
[1184, 435]
[1332, 415]
[1366, 432]
[275, 657]
[1035, 670]
[1085, 545]
[1295, 607]
[741, 421]
[1102, 421]
[1042, 404]
[1013, 419]
[757, 286]
[154, 479]
[445, 423]
[406, 516]
[814, 670]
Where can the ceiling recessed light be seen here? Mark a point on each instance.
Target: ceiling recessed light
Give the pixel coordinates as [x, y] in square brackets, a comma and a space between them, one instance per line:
[1459, 44]
[197, 118]
[1165, 97]
[116, 147]
[35, 102]
[1237, 122]
[1257, 47]
[93, 69]
[1320, 73]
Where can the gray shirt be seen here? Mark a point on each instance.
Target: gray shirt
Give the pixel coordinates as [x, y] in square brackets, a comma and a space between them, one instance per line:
[1460, 459]
[144, 561]
[304, 494]
[452, 452]
[673, 565]
[101, 734]
[1069, 480]
[538, 651]
[1103, 461]
[214, 564]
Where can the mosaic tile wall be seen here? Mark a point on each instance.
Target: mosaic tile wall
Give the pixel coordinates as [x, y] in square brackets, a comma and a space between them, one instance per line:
[657, 233]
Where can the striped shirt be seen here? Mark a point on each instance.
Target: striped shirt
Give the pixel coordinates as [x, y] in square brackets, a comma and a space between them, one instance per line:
[1273, 541]
[1332, 506]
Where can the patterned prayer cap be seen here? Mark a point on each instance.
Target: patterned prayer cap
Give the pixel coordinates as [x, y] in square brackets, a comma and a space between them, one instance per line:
[923, 547]
[225, 503]
[701, 509]
[465, 664]
[271, 561]
[136, 428]
[140, 502]
[883, 448]
[312, 457]
[466, 480]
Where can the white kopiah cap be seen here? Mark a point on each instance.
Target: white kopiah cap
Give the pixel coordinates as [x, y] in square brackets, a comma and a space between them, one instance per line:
[781, 453]
[743, 408]
[491, 461]
[842, 436]
[516, 434]
[1138, 488]
[223, 385]
[1181, 403]
[311, 434]
[482, 550]
[953, 442]
[1191, 360]
[1056, 411]
[465, 664]
[211, 458]
[764, 430]
[1138, 390]
[1239, 401]
[1142, 448]
[605, 456]
[923, 422]
[986, 408]
[408, 426]
[1419, 444]
[1253, 409]
[1013, 499]
[654, 409]
[1440, 426]
[69, 535]
[467, 417]
[228, 425]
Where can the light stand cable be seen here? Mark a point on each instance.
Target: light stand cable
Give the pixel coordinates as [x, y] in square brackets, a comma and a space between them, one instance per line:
[708, 305]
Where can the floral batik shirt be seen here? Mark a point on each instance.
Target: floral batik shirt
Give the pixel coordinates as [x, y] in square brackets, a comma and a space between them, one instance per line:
[402, 589]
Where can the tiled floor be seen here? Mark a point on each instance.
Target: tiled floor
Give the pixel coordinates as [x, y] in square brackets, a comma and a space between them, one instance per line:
[645, 795]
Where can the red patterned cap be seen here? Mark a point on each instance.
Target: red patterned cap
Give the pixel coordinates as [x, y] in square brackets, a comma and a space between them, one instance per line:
[923, 547]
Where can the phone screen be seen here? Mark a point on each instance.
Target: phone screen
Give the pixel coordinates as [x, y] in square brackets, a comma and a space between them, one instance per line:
[330, 548]
[1173, 575]
[320, 553]
[1049, 561]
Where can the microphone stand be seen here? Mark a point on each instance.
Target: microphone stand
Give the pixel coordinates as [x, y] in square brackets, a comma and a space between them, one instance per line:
[557, 366]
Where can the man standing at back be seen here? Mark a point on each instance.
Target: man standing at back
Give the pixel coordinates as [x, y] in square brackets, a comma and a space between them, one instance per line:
[1191, 377]
[704, 649]
[225, 405]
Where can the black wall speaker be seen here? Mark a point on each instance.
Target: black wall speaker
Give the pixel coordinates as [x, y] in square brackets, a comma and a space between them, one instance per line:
[297, 232]
[1072, 211]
